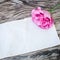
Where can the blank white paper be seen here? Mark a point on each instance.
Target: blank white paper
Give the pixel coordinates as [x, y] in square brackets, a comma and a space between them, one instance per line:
[23, 36]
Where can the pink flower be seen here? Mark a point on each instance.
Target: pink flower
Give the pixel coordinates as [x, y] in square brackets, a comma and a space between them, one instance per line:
[42, 18]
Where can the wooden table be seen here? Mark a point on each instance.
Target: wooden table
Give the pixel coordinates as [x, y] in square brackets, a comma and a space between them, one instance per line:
[14, 11]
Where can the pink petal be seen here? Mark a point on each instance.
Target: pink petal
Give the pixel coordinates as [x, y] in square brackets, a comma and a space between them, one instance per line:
[42, 18]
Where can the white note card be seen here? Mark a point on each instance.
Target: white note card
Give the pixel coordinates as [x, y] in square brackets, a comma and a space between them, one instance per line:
[23, 36]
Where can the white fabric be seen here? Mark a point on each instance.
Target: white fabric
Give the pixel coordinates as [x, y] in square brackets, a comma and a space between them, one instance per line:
[22, 36]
